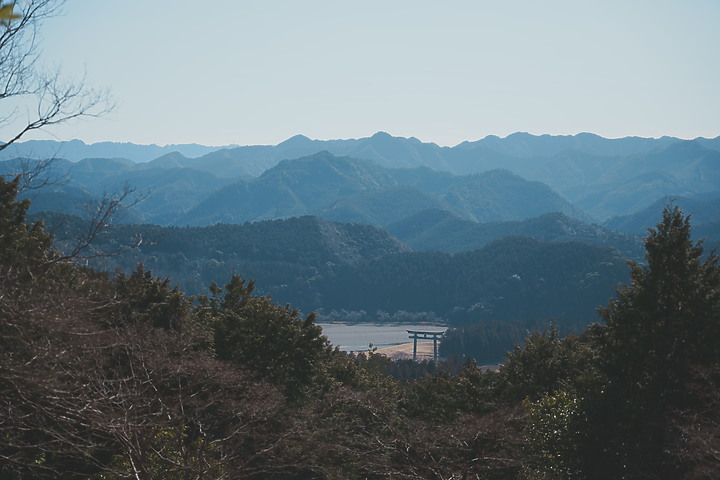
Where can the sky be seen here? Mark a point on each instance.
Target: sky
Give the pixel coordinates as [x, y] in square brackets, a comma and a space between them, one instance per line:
[258, 72]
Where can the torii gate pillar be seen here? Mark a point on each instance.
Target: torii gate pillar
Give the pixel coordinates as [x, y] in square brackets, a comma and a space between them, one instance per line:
[414, 334]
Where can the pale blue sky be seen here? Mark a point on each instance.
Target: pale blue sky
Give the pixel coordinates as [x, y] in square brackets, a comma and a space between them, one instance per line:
[233, 71]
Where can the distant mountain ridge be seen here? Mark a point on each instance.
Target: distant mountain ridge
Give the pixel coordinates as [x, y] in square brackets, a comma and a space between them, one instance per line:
[604, 178]
[382, 147]
[76, 150]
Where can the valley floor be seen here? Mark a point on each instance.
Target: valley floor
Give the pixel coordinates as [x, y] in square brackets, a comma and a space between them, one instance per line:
[405, 351]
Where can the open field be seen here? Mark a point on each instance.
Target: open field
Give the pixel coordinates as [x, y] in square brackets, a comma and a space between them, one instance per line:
[405, 350]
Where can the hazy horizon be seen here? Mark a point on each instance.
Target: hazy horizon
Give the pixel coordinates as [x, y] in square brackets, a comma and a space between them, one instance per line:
[256, 74]
[358, 138]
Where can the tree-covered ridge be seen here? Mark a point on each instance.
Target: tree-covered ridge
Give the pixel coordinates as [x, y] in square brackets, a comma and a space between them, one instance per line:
[435, 229]
[356, 272]
[349, 189]
[508, 280]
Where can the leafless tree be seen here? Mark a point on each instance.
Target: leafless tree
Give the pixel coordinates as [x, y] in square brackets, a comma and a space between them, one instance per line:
[81, 397]
[38, 98]
[33, 98]
[100, 214]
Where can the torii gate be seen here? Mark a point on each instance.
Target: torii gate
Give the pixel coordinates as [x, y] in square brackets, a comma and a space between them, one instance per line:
[415, 334]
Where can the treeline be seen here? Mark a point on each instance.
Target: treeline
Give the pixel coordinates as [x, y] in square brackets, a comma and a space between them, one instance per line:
[487, 342]
[493, 296]
[330, 268]
[512, 279]
[123, 376]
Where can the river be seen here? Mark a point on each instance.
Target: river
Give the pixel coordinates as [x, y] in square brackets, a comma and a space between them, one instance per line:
[356, 337]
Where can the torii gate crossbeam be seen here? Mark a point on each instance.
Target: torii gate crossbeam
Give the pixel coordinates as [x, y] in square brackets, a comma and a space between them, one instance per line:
[415, 334]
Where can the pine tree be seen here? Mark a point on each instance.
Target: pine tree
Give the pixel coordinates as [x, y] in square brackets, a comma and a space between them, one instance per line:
[660, 330]
[22, 244]
[668, 319]
[268, 338]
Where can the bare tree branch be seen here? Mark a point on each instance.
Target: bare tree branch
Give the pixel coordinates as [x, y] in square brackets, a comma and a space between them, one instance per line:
[46, 97]
[101, 215]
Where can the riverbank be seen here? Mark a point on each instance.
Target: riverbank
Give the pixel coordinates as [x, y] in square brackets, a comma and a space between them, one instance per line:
[405, 351]
[359, 337]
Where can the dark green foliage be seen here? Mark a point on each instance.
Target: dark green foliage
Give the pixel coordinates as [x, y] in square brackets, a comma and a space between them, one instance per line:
[694, 431]
[318, 265]
[553, 433]
[284, 256]
[516, 278]
[22, 245]
[487, 341]
[546, 364]
[445, 395]
[273, 340]
[146, 299]
[667, 319]
[659, 331]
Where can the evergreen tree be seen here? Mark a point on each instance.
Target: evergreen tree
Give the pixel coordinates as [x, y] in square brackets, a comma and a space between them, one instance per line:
[22, 244]
[273, 340]
[658, 332]
[668, 319]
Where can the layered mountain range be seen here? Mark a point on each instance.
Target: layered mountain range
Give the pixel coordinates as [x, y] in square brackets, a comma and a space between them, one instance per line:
[518, 228]
[585, 176]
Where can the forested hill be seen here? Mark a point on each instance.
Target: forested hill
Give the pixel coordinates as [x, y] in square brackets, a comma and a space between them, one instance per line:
[356, 271]
[351, 190]
[513, 279]
[275, 251]
[434, 229]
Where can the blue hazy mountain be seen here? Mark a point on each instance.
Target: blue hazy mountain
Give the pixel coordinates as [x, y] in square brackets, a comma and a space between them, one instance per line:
[441, 230]
[702, 211]
[347, 189]
[162, 194]
[602, 177]
[75, 150]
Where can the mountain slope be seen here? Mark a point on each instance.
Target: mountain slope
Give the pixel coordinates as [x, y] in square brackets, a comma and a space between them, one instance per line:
[603, 177]
[510, 280]
[286, 257]
[383, 206]
[702, 211]
[291, 188]
[443, 231]
[499, 195]
[349, 190]
[315, 264]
